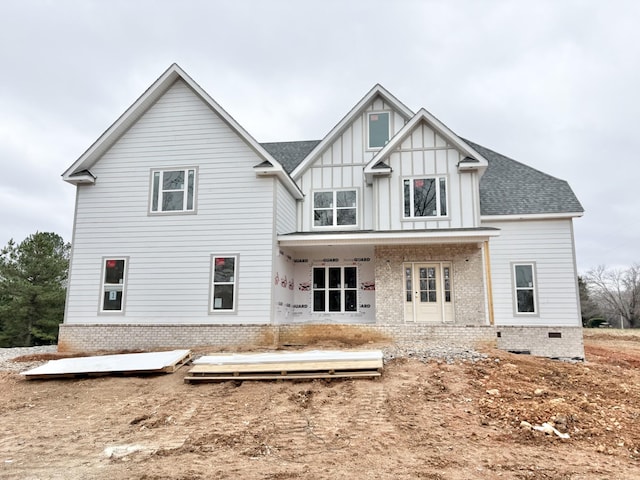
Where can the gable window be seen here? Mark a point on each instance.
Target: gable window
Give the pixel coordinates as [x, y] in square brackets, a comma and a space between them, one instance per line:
[223, 284]
[113, 284]
[335, 289]
[525, 288]
[173, 190]
[335, 208]
[425, 197]
[378, 123]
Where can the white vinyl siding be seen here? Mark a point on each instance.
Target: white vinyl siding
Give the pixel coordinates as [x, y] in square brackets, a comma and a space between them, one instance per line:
[169, 270]
[548, 245]
[424, 154]
[341, 163]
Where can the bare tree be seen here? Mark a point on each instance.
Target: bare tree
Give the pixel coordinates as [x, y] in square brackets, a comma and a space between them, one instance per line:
[618, 290]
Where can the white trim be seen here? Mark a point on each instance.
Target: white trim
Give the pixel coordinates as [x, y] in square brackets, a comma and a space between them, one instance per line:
[529, 216]
[123, 285]
[234, 283]
[388, 238]
[534, 288]
[144, 102]
[348, 119]
[185, 189]
[439, 216]
[441, 128]
[334, 209]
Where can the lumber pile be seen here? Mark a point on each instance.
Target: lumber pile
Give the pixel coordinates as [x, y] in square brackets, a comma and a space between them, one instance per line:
[286, 365]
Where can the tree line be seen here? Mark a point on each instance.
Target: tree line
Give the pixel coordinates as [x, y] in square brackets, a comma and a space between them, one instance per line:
[611, 297]
[33, 281]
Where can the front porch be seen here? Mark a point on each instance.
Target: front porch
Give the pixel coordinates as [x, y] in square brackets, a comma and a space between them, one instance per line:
[385, 278]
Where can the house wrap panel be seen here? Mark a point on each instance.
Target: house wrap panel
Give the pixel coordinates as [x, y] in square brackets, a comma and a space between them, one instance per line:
[549, 244]
[169, 276]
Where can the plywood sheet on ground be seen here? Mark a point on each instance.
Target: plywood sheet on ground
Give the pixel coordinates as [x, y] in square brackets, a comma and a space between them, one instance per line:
[129, 363]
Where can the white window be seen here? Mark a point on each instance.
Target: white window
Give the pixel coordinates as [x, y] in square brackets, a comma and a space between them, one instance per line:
[525, 288]
[335, 289]
[336, 208]
[378, 129]
[113, 284]
[425, 197]
[223, 283]
[173, 190]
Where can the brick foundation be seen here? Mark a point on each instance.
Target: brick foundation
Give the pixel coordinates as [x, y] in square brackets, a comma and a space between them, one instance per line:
[535, 340]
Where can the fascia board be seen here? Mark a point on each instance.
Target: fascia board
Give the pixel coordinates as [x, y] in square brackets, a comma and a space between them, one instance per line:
[530, 216]
[347, 120]
[155, 91]
[441, 128]
[122, 124]
[387, 238]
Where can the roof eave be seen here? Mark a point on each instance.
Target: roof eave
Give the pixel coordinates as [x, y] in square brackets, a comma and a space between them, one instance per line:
[388, 238]
[530, 216]
[280, 174]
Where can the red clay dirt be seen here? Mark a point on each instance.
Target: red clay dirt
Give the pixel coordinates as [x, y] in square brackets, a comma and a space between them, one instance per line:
[419, 421]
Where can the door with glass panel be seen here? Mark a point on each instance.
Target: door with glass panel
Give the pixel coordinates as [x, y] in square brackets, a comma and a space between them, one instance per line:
[428, 292]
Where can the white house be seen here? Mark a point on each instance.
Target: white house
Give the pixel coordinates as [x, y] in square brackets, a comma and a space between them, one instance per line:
[189, 232]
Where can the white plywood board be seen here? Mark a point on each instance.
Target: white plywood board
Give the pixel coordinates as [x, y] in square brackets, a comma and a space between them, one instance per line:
[129, 362]
[282, 357]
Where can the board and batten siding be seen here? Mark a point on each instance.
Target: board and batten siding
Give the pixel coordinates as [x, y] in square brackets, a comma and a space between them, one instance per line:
[340, 166]
[169, 270]
[424, 153]
[549, 245]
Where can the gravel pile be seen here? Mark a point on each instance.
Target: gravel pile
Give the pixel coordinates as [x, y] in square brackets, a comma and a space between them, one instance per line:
[427, 353]
[8, 354]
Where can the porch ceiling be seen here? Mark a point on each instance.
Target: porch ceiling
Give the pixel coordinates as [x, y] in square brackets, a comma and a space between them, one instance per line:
[395, 237]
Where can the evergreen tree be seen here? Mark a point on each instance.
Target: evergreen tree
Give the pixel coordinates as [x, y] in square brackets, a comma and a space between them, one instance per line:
[33, 276]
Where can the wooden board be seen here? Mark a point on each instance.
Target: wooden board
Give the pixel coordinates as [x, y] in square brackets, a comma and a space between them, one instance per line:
[282, 376]
[288, 366]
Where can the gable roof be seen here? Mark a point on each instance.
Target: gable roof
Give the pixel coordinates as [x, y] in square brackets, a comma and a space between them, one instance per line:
[79, 172]
[377, 91]
[509, 187]
[472, 157]
[290, 154]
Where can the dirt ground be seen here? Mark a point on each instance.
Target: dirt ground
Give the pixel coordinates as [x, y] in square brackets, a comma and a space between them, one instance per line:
[418, 421]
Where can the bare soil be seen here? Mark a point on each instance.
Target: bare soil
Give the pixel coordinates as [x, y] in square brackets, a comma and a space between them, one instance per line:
[418, 421]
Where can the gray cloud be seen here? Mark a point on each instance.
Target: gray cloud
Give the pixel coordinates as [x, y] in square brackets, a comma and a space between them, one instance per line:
[552, 84]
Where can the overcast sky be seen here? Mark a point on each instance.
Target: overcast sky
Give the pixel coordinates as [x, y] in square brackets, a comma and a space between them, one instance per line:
[553, 84]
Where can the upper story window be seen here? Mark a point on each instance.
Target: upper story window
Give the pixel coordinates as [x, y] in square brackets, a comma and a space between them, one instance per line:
[335, 208]
[425, 197]
[378, 129]
[173, 190]
[525, 288]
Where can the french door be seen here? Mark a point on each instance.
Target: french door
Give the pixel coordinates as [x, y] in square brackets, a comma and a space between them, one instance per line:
[427, 292]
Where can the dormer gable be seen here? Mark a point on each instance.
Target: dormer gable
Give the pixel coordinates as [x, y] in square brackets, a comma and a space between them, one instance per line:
[471, 161]
[378, 92]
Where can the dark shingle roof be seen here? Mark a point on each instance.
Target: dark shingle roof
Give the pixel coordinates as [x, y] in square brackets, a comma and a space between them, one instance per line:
[509, 187]
[290, 154]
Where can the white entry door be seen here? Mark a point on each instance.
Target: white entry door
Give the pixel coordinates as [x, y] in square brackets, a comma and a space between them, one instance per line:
[428, 292]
